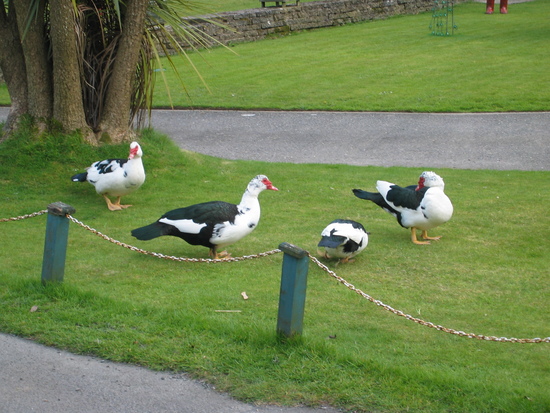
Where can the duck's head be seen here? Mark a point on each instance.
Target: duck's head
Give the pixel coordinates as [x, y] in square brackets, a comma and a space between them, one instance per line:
[431, 180]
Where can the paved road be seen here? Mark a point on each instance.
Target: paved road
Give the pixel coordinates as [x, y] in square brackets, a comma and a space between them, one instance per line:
[38, 378]
[468, 141]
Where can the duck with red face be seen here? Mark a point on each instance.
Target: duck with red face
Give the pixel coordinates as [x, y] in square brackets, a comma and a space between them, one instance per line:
[423, 206]
[116, 177]
[214, 224]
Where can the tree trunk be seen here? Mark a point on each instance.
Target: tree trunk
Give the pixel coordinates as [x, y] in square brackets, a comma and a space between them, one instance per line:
[12, 64]
[115, 117]
[68, 107]
[39, 83]
[80, 66]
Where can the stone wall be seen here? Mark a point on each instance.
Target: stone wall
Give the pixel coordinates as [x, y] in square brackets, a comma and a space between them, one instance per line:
[255, 24]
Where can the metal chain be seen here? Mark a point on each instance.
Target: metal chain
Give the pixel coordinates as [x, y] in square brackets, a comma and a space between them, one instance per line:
[170, 257]
[420, 321]
[19, 218]
[315, 260]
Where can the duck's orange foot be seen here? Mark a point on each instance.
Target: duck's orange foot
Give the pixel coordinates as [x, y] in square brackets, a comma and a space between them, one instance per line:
[425, 236]
[323, 254]
[113, 207]
[224, 255]
[421, 242]
[415, 240]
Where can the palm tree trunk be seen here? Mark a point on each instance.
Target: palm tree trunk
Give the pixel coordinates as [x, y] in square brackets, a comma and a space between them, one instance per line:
[39, 79]
[68, 107]
[114, 124]
[12, 64]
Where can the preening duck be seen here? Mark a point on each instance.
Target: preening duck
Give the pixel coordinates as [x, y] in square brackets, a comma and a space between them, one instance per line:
[423, 206]
[116, 177]
[343, 239]
[214, 224]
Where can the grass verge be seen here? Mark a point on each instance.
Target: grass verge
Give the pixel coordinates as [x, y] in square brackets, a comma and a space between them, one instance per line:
[494, 63]
[488, 275]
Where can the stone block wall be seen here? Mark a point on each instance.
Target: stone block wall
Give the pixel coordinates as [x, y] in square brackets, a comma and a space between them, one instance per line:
[255, 24]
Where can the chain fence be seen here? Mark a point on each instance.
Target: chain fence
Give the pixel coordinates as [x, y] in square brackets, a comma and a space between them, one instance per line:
[420, 321]
[19, 218]
[323, 267]
[170, 257]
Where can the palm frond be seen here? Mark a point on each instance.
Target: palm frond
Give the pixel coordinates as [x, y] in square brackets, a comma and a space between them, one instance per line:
[99, 25]
[168, 31]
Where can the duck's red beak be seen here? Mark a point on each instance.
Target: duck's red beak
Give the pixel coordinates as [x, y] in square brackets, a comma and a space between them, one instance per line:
[420, 184]
[133, 152]
[269, 185]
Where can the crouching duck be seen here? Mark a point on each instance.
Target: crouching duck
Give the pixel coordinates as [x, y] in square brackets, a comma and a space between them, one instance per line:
[343, 239]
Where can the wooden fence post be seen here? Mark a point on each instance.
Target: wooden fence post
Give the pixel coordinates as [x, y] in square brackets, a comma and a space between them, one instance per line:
[55, 245]
[292, 297]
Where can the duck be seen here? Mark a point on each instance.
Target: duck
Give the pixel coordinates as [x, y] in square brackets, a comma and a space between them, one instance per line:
[213, 224]
[116, 177]
[343, 239]
[418, 207]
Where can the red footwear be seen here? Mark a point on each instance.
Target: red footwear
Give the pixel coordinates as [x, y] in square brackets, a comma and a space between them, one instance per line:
[491, 6]
[503, 6]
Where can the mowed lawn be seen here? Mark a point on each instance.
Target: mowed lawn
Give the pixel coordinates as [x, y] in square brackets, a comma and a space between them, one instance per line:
[488, 275]
[491, 63]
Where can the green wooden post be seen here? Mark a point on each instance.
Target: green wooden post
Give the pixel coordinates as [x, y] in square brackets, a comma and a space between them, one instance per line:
[55, 245]
[292, 297]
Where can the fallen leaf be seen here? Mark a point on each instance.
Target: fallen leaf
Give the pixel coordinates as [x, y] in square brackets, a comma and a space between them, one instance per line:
[34, 308]
[244, 295]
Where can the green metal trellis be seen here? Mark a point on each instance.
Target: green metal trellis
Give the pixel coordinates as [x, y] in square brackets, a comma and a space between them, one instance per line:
[443, 20]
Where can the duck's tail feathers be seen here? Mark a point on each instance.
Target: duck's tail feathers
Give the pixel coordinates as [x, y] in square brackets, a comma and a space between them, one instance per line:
[334, 241]
[148, 232]
[375, 197]
[80, 177]
[370, 196]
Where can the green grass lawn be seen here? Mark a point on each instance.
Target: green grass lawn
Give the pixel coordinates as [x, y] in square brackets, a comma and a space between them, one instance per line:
[487, 275]
[492, 63]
